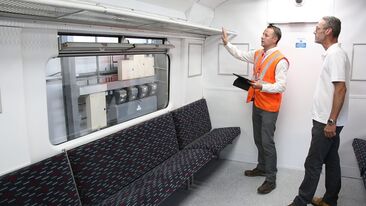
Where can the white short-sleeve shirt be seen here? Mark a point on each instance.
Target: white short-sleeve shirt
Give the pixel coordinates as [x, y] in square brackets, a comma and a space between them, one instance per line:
[335, 68]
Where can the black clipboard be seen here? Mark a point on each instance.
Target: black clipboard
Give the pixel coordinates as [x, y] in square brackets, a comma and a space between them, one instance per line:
[242, 82]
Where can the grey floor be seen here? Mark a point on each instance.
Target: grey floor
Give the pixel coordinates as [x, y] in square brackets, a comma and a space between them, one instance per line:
[222, 183]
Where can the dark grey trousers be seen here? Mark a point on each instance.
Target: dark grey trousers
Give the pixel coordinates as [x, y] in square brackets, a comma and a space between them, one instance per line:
[322, 150]
[264, 126]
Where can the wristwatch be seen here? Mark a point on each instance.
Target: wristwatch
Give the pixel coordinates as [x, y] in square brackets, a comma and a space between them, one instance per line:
[331, 122]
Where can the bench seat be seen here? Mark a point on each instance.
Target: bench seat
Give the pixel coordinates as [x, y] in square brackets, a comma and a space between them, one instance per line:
[359, 147]
[215, 140]
[48, 182]
[193, 126]
[162, 181]
[139, 165]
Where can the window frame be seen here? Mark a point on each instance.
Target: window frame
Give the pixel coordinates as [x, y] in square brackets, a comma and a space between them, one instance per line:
[141, 49]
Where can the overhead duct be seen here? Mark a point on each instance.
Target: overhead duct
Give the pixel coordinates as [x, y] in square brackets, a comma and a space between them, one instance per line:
[86, 13]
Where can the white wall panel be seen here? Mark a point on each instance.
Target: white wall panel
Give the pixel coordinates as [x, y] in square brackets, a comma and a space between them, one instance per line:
[228, 64]
[38, 46]
[177, 72]
[14, 146]
[195, 52]
[358, 62]
[193, 83]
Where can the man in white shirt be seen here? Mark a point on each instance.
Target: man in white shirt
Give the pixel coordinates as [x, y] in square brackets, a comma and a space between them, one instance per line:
[330, 110]
[268, 83]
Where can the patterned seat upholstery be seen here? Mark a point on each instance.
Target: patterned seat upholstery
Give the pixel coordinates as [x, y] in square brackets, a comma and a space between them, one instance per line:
[216, 140]
[158, 184]
[192, 121]
[103, 167]
[359, 147]
[193, 125]
[48, 182]
[139, 165]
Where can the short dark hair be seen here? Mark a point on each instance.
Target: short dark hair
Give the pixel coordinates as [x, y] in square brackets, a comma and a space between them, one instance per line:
[334, 23]
[277, 31]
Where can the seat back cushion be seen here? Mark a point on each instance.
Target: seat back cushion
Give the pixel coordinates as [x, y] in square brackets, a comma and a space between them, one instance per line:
[48, 182]
[359, 147]
[103, 167]
[191, 122]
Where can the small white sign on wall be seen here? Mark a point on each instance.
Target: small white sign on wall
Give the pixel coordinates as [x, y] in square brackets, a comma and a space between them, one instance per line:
[194, 59]
[229, 64]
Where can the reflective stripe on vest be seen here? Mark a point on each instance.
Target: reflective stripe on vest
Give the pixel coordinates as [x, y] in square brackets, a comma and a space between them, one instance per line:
[265, 71]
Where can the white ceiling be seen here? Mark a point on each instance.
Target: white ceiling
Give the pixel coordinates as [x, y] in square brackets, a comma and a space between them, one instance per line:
[183, 5]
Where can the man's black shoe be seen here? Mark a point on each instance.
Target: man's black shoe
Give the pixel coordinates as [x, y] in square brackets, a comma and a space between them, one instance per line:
[266, 187]
[254, 172]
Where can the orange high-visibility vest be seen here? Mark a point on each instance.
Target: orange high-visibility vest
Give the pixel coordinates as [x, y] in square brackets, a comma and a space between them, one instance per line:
[266, 71]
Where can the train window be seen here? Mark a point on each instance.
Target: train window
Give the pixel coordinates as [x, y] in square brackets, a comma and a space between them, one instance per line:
[132, 40]
[89, 89]
[81, 38]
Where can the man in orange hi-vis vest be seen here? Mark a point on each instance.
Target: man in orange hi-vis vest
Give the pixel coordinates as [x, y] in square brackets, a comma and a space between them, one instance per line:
[267, 85]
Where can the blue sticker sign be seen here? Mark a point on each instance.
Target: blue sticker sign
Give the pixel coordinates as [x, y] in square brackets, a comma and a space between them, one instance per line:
[300, 44]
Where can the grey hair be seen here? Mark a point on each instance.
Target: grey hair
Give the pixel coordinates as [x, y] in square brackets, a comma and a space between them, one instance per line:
[334, 23]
